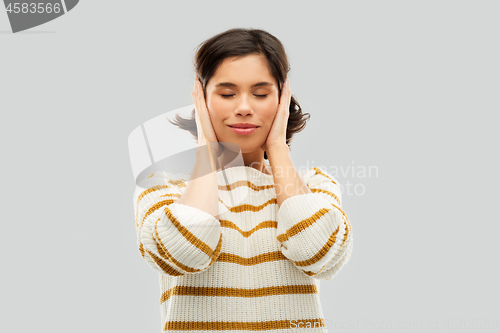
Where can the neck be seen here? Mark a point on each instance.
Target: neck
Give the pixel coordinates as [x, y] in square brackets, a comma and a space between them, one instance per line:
[254, 160]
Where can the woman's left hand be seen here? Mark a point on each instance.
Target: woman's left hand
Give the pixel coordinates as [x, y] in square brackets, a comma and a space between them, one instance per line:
[277, 134]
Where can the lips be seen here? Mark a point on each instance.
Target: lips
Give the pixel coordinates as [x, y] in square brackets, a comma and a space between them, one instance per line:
[243, 125]
[242, 130]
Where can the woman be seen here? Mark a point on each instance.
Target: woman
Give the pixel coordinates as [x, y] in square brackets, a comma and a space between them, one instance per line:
[257, 264]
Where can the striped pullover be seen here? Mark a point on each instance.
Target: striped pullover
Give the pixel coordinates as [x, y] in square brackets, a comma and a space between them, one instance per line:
[257, 267]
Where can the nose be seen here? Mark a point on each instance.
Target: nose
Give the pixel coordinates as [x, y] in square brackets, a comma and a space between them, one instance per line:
[243, 107]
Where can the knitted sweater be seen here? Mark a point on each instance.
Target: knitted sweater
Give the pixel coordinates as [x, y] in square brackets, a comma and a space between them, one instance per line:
[256, 267]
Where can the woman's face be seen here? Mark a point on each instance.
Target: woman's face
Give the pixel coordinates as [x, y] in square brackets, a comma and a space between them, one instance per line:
[243, 90]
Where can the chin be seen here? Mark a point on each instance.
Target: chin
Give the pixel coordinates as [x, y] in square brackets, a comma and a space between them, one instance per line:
[243, 145]
[245, 150]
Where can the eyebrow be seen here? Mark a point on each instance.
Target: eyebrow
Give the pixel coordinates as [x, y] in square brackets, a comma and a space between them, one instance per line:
[229, 84]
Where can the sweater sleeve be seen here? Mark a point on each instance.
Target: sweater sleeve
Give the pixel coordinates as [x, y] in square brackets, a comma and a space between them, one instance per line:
[174, 239]
[314, 232]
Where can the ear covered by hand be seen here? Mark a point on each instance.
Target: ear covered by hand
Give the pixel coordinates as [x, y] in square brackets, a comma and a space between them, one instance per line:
[206, 132]
[277, 133]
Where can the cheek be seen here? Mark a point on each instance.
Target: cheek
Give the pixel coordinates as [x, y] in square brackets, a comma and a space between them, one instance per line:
[215, 109]
[219, 104]
[218, 107]
[269, 110]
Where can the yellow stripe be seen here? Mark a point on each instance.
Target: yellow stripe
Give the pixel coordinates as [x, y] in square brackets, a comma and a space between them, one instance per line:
[226, 257]
[302, 225]
[150, 190]
[266, 224]
[145, 192]
[274, 256]
[319, 172]
[162, 250]
[238, 292]
[347, 233]
[187, 234]
[248, 207]
[252, 326]
[157, 206]
[298, 227]
[178, 183]
[270, 256]
[247, 183]
[164, 266]
[141, 249]
[317, 190]
[258, 259]
[323, 251]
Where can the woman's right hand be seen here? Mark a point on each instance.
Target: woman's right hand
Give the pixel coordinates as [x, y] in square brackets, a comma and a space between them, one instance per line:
[203, 122]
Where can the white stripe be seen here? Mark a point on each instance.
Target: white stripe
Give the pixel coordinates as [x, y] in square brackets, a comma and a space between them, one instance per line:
[201, 224]
[259, 242]
[242, 309]
[156, 267]
[294, 330]
[230, 275]
[315, 237]
[335, 264]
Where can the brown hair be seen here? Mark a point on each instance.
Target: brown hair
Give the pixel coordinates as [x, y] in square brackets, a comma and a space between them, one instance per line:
[240, 42]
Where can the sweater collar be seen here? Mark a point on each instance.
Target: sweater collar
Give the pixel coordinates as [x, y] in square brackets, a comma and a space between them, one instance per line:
[243, 172]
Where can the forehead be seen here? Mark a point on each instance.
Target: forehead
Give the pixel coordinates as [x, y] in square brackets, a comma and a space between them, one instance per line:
[246, 70]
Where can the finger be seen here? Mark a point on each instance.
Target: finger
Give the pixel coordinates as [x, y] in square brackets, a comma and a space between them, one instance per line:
[203, 110]
[285, 98]
[283, 90]
[200, 102]
[289, 94]
[199, 97]
[198, 110]
[199, 105]
[195, 92]
[202, 94]
[288, 90]
[198, 90]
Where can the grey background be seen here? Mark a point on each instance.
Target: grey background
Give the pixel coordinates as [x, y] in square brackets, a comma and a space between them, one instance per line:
[409, 87]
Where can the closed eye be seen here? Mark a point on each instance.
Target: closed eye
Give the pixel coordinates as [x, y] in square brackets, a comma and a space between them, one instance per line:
[260, 96]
